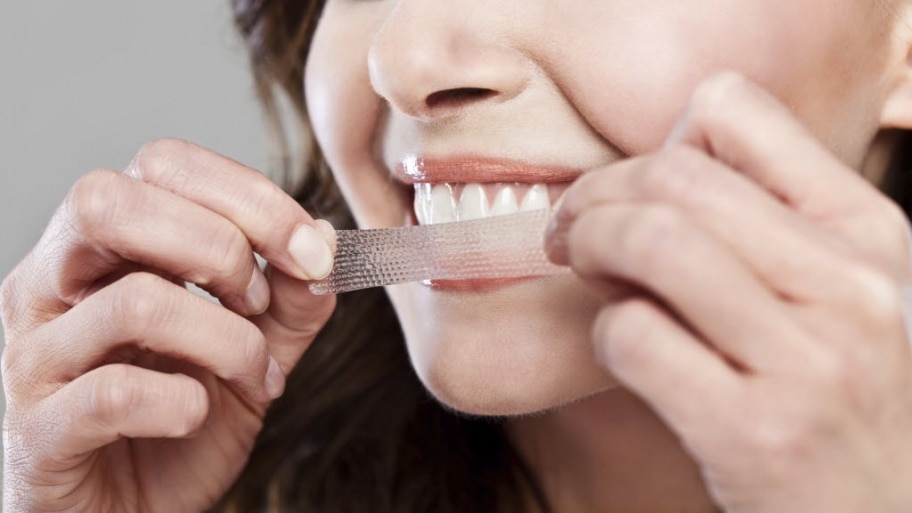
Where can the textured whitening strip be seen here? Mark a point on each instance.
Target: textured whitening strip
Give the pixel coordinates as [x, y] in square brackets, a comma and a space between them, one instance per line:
[508, 246]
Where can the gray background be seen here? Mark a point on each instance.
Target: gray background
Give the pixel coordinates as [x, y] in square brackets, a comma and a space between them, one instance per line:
[84, 84]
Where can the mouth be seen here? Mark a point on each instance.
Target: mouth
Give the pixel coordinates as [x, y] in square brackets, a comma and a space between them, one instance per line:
[454, 189]
[466, 188]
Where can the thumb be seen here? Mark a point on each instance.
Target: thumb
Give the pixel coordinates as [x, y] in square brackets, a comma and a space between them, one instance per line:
[294, 318]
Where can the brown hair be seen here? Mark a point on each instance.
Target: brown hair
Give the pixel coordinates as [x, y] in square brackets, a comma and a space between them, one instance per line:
[356, 431]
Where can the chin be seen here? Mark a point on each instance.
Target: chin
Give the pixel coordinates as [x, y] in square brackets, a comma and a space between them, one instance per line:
[513, 349]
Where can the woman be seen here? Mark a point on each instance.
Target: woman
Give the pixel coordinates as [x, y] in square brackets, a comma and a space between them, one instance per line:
[732, 336]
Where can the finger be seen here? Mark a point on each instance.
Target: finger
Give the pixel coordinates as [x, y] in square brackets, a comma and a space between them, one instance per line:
[642, 345]
[277, 226]
[144, 313]
[802, 262]
[294, 318]
[119, 401]
[659, 249]
[787, 251]
[111, 221]
[742, 125]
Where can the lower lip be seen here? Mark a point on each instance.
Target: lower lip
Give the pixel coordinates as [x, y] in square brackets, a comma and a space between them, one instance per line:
[464, 286]
[475, 286]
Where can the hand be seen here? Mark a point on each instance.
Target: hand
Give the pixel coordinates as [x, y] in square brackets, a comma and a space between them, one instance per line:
[125, 391]
[768, 327]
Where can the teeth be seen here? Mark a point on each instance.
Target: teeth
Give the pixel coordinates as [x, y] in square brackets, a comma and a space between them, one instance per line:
[505, 202]
[473, 204]
[423, 202]
[536, 199]
[444, 203]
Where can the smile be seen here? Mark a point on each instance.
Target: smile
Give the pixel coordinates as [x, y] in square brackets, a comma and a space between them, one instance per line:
[467, 188]
[448, 202]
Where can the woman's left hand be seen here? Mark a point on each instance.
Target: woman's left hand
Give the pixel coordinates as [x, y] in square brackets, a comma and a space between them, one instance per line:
[769, 328]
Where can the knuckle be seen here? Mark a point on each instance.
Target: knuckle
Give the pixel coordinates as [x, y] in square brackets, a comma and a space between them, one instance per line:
[230, 257]
[674, 173]
[630, 320]
[22, 308]
[141, 300]
[779, 441]
[248, 340]
[875, 297]
[195, 402]
[155, 160]
[246, 359]
[651, 236]
[262, 198]
[779, 433]
[623, 330]
[264, 205]
[113, 394]
[836, 373]
[841, 381]
[94, 199]
[714, 92]
[255, 349]
[10, 295]
[9, 363]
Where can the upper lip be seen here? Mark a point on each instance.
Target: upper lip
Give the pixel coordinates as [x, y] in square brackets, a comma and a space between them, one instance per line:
[414, 169]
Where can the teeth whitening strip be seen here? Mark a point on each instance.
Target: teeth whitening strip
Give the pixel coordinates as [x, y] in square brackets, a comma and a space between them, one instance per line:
[509, 246]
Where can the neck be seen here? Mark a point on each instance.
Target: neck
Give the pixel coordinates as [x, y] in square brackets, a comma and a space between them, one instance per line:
[610, 454]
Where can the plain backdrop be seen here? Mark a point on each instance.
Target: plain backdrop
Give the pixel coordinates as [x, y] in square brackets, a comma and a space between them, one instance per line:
[84, 84]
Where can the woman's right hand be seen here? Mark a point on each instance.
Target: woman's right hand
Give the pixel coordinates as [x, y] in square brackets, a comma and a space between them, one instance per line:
[125, 391]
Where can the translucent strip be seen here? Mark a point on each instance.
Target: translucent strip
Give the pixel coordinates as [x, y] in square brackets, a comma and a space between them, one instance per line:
[497, 247]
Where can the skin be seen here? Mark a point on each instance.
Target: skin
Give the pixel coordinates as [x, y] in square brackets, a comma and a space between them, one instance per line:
[778, 382]
[374, 64]
[738, 383]
[126, 392]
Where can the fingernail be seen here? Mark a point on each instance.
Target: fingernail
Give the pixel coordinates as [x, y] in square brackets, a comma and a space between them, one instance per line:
[310, 251]
[257, 296]
[275, 379]
[556, 240]
[559, 203]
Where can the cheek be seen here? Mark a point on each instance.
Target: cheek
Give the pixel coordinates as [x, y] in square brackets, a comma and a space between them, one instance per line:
[629, 84]
[631, 71]
[344, 112]
[632, 67]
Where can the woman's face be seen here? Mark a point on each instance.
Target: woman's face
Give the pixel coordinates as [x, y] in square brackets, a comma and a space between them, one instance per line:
[408, 94]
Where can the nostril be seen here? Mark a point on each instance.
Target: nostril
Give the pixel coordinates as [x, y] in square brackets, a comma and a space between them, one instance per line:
[457, 97]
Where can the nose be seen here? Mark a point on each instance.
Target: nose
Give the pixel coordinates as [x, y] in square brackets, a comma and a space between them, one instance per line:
[432, 58]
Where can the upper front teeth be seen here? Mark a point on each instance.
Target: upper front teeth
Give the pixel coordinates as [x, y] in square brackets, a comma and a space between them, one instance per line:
[473, 204]
[444, 203]
[505, 202]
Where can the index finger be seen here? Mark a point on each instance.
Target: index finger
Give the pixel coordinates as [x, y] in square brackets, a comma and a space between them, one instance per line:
[278, 228]
[740, 124]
